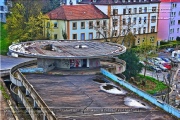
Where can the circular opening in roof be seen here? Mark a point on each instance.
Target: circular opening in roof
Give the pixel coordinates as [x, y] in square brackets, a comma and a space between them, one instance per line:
[80, 46]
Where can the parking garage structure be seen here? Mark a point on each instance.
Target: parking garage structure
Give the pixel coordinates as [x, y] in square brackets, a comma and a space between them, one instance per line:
[68, 54]
[79, 96]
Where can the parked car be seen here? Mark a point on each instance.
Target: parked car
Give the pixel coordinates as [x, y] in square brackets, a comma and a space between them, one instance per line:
[162, 68]
[169, 50]
[158, 60]
[154, 68]
[167, 65]
[167, 60]
[142, 62]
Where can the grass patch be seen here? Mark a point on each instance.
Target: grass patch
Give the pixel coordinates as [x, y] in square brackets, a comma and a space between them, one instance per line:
[4, 42]
[5, 95]
[152, 85]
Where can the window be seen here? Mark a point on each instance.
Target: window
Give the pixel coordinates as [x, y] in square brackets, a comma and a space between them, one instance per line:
[139, 31]
[55, 36]
[123, 32]
[124, 21]
[90, 24]
[153, 19]
[143, 40]
[178, 22]
[115, 11]
[144, 20]
[129, 20]
[171, 22]
[134, 30]
[134, 20]
[98, 24]
[152, 39]
[144, 29]
[115, 33]
[74, 25]
[139, 20]
[55, 25]
[48, 24]
[74, 37]
[138, 41]
[153, 9]
[135, 10]
[90, 36]
[177, 30]
[82, 25]
[82, 36]
[104, 23]
[97, 34]
[145, 9]
[2, 8]
[129, 11]
[171, 14]
[115, 22]
[140, 10]
[152, 29]
[115, 1]
[134, 0]
[124, 11]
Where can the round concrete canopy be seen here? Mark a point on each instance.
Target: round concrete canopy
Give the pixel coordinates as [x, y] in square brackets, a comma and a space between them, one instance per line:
[66, 49]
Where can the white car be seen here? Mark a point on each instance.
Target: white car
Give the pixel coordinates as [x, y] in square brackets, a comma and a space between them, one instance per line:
[162, 68]
[158, 60]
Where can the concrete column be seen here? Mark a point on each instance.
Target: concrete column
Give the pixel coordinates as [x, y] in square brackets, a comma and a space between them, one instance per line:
[35, 104]
[87, 62]
[44, 117]
[27, 92]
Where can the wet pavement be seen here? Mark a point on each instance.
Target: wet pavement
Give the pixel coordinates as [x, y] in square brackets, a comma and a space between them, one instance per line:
[8, 62]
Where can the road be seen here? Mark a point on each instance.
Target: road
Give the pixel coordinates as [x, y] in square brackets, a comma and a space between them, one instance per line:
[8, 62]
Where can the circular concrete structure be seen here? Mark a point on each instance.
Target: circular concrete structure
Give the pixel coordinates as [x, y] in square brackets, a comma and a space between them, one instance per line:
[67, 49]
[67, 54]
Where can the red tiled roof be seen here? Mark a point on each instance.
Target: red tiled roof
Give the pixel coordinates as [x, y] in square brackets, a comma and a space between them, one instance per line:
[76, 12]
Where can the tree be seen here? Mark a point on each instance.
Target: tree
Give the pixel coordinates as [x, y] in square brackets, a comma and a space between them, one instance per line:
[133, 67]
[143, 52]
[25, 21]
[123, 36]
[49, 5]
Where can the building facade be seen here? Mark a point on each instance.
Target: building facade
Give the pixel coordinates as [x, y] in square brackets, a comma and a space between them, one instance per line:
[169, 20]
[75, 22]
[3, 10]
[138, 17]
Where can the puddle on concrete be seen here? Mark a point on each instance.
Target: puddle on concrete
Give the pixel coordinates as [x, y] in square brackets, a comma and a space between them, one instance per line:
[135, 103]
[100, 80]
[110, 88]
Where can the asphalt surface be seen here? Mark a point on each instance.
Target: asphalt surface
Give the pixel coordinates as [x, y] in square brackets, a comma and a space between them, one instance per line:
[8, 62]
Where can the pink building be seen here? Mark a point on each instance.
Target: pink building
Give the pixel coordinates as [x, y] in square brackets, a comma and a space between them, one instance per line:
[169, 20]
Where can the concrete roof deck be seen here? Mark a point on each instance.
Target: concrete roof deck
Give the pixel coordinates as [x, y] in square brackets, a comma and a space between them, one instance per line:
[79, 97]
[69, 49]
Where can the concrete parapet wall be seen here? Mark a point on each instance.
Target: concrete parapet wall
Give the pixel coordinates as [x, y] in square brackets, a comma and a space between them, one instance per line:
[14, 94]
[168, 108]
[27, 105]
[44, 108]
